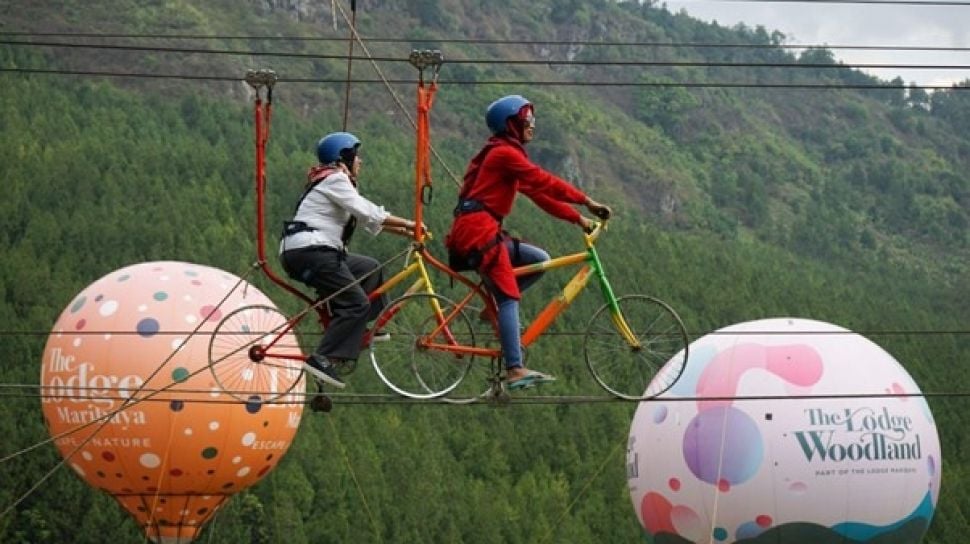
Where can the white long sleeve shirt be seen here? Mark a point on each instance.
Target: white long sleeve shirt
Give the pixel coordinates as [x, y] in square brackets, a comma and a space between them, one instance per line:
[327, 208]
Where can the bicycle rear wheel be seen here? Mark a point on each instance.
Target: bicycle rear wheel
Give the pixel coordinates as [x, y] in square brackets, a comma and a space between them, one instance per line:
[409, 363]
[643, 371]
[240, 364]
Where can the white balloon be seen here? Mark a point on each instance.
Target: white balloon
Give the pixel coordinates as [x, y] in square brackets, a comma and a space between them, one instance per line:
[859, 458]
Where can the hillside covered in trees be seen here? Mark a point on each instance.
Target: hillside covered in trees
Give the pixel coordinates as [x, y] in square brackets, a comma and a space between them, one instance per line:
[750, 180]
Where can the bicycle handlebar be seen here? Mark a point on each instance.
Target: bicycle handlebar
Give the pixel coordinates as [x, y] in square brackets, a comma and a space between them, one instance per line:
[599, 227]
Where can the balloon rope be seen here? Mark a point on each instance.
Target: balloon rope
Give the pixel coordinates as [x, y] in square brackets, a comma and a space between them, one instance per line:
[353, 476]
[151, 526]
[720, 453]
[276, 519]
[607, 458]
[212, 528]
[161, 475]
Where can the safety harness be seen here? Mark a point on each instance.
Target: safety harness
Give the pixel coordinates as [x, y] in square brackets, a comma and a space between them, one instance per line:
[472, 260]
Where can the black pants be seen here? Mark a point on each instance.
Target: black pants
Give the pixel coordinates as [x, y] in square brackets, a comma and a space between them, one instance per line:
[328, 271]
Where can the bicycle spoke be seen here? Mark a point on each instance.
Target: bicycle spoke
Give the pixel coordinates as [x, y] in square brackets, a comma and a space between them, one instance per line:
[233, 366]
[636, 372]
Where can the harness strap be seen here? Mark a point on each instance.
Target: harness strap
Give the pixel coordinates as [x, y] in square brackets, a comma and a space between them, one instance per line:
[470, 205]
[473, 259]
[315, 176]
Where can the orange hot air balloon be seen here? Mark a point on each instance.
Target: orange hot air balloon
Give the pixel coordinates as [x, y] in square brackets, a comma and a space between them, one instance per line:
[135, 407]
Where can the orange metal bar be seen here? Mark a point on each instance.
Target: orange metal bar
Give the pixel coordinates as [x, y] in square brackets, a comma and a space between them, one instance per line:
[556, 306]
[263, 117]
[462, 349]
[483, 295]
[422, 163]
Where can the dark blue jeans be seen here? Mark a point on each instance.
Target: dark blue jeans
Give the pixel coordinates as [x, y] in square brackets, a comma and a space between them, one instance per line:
[508, 308]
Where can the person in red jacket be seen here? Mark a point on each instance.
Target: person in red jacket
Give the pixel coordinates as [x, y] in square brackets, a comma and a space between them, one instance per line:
[476, 241]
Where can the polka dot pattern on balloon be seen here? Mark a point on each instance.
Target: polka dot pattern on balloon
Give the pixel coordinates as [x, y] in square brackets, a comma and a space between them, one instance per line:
[174, 447]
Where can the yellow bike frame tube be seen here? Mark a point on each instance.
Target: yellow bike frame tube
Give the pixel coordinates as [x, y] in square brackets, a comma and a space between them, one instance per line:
[400, 276]
[624, 328]
[558, 262]
[429, 287]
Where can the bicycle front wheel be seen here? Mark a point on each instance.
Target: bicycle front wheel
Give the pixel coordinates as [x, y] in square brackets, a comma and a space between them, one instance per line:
[415, 361]
[239, 362]
[644, 370]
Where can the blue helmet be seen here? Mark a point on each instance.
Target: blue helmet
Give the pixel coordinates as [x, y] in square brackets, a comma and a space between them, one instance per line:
[503, 108]
[337, 146]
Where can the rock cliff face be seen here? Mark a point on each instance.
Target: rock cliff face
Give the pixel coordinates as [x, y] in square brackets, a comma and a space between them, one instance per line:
[300, 10]
[325, 10]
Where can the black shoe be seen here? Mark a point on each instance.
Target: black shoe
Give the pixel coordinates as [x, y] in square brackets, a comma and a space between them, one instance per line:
[321, 369]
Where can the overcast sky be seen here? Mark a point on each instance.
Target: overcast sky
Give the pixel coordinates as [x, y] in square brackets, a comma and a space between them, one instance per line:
[857, 24]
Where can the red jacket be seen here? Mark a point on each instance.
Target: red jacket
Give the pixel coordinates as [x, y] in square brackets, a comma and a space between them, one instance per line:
[494, 176]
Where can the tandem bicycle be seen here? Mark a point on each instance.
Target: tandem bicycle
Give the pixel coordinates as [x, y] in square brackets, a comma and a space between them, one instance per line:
[635, 346]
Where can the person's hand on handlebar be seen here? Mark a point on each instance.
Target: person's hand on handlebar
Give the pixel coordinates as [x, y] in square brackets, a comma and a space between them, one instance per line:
[402, 227]
[588, 224]
[601, 211]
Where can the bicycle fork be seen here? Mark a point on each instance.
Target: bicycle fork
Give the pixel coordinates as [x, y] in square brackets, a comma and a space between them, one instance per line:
[615, 314]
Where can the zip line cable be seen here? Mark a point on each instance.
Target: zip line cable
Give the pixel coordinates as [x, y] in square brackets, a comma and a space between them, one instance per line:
[390, 398]
[534, 62]
[386, 82]
[486, 41]
[132, 75]
[193, 50]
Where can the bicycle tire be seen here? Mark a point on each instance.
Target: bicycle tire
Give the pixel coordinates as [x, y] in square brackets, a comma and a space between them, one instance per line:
[233, 367]
[408, 367]
[646, 371]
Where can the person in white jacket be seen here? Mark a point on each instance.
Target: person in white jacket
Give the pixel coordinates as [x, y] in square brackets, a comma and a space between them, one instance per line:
[313, 250]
